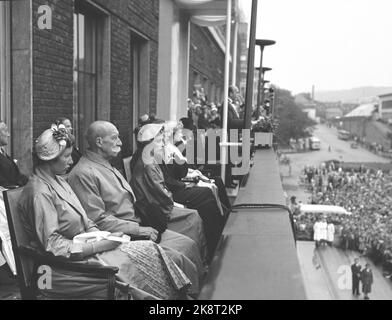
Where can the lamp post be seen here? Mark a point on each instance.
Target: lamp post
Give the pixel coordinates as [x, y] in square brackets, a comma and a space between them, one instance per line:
[260, 92]
[262, 43]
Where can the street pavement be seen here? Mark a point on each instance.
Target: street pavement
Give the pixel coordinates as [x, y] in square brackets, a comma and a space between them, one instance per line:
[326, 273]
[340, 150]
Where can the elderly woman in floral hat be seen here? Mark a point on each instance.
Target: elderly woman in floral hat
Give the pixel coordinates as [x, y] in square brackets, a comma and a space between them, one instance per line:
[53, 216]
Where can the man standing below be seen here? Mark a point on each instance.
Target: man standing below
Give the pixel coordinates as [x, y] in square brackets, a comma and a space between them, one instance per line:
[367, 281]
[109, 200]
[316, 233]
[356, 276]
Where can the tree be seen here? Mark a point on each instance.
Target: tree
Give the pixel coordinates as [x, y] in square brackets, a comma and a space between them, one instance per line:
[293, 122]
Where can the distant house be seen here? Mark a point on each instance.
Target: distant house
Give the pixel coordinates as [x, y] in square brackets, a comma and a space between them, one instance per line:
[332, 113]
[364, 123]
[386, 106]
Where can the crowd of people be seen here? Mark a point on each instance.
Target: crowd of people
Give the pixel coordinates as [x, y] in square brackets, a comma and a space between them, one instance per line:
[367, 195]
[173, 213]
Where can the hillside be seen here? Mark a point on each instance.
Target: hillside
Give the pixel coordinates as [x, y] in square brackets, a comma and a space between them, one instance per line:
[355, 95]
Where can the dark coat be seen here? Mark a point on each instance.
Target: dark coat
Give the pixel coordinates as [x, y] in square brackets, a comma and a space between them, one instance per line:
[10, 175]
[234, 121]
[356, 272]
[367, 281]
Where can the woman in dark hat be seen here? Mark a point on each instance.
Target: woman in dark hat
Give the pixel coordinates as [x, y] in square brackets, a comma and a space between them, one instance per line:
[367, 281]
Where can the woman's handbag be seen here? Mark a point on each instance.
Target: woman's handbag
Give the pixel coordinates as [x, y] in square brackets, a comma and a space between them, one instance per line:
[151, 215]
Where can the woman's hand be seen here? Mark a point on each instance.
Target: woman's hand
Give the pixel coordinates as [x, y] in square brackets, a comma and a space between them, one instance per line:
[149, 232]
[104, 245]
[117, 234]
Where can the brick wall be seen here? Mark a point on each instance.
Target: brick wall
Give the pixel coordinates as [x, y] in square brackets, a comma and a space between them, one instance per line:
[140, 16]
[53, 60]
[206, 58]
[52, 65]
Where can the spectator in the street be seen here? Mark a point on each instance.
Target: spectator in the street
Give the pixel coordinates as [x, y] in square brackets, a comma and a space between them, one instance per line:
[316, 233]
[330, 233]
[323, 230]
[356, 276]
[367, 281]
[294, 206]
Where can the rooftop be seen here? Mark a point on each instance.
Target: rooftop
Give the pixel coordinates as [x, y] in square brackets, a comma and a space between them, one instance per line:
[364, 110]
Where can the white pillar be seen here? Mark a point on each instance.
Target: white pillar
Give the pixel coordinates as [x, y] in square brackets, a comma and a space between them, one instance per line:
[173, 61]
[235, 53]
[226, 93]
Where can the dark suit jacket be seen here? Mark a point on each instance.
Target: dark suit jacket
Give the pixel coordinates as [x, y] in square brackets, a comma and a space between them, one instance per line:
[356, 272]
[10, 175]
[234, 121]
[173, 173]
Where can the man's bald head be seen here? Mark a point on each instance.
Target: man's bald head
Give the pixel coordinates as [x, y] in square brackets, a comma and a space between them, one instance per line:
[103, 138]
[98, 129]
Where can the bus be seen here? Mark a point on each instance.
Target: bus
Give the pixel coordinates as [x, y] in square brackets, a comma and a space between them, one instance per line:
[314, 143]
[344, 135]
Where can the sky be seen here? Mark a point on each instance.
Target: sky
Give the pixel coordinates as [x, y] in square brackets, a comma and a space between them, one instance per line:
[331, 44]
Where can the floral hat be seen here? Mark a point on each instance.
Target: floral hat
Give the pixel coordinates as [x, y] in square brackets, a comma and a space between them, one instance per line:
[52, 142]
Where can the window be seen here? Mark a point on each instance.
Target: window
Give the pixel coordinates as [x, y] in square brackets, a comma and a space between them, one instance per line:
[91, 64]
[4, 63]
[5, 73]
[140, 79]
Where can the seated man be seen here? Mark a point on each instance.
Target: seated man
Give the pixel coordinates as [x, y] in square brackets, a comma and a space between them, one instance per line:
[108, 199]
[10, 176]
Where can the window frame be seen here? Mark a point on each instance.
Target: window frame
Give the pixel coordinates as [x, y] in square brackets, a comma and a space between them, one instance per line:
[139, 79]
[101, 110]
[5, 67]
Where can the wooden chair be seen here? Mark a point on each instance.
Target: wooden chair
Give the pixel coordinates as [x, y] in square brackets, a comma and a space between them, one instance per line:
[127, 168]
[79, 280]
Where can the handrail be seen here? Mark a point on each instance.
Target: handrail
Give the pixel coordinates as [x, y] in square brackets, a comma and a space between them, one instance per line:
[269, 206]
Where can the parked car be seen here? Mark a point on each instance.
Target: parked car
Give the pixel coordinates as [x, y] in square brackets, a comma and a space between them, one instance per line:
[354, 145]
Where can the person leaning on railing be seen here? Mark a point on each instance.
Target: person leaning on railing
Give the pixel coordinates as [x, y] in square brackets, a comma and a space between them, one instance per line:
[52, 216]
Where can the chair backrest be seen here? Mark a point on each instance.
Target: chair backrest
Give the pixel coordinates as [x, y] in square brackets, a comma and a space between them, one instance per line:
[19, 238]
[127, 168]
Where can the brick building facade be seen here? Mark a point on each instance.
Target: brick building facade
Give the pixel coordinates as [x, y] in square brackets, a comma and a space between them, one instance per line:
[206, 64]
[101, 60]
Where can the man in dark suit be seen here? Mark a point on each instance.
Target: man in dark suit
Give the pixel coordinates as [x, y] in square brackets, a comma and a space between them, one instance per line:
[356, 276]
[10, 176]
[233, 117]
